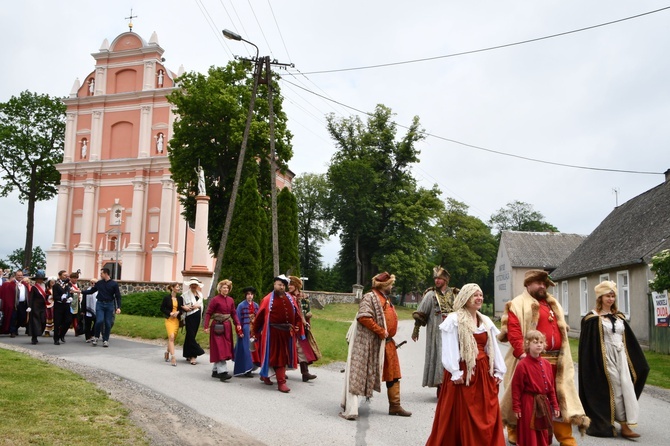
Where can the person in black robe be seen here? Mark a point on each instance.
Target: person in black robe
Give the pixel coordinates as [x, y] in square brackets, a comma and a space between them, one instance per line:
[596, 391]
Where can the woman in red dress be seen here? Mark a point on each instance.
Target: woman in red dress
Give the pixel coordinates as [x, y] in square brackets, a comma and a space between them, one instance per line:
[467, 411]
[219, 320]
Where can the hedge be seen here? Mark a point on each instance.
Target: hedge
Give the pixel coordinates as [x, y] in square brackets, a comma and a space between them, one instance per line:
[144, 304]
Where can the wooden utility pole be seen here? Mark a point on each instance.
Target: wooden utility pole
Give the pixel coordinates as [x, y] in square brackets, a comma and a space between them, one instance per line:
[238, 175]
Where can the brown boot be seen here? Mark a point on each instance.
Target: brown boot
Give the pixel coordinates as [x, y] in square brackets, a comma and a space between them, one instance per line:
[626, 431]
[304, 369]
[281, 380]
[394, 401]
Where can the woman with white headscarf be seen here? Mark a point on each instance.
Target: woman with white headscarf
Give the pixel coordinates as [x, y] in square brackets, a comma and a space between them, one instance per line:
[467, 410]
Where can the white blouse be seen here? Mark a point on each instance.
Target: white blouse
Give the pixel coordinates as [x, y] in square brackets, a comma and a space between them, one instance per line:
[189, 299]
[451, 354]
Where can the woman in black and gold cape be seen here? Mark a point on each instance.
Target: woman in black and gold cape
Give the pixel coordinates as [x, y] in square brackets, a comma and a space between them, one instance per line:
[612, 367]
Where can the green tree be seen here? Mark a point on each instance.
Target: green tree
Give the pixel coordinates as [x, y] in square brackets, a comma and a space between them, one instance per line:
[242, 260]
[311, 194]
[32, 132]
[212, 111]
[520, 216]
[375, 203]
[465, 246]
[287, 230]
[660, 266]
[38, 260]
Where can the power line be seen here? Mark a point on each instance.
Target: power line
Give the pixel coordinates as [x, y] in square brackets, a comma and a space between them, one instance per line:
[281, 36]
[212, 26]
[497, 152]
[491, 48]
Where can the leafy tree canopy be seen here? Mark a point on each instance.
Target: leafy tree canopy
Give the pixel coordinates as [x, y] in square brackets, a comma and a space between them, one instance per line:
[38, 260]
[660, 265]
[311, 194]
[464, 245]
[212, 112]
[520, 216]
[32, 132]
[375, 203]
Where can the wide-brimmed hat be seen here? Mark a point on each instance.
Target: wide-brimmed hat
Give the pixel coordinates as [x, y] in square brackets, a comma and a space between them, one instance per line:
[295, 281]
[249, 289]
[40, 274]
[281, 278]
[441, 273]
[383, 280]
[193, 281]
[537, 275]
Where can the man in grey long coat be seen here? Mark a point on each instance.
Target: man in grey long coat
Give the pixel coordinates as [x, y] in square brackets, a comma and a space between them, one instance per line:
[436, 304]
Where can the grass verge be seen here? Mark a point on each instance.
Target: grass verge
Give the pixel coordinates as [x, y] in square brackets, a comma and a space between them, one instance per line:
[44, 404]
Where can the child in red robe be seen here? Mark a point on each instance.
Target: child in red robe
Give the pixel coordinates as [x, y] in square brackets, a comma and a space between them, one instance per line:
[533, 395]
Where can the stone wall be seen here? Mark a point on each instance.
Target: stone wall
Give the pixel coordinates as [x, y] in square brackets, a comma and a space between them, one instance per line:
[129, 287]
[319, 299]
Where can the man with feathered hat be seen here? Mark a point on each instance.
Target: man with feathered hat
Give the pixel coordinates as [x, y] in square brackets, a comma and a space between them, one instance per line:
[373, 355]
[435, 306]
[535, 309]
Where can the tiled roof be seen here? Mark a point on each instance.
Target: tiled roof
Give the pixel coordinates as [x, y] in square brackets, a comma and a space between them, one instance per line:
[631, 234]
[544, 250]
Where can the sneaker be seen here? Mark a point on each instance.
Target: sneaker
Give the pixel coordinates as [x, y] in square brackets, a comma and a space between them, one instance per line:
[94, 342]
[88, 341]
[105, 344]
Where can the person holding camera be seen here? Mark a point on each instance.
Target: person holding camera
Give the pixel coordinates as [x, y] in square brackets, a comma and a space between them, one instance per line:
[62, 296]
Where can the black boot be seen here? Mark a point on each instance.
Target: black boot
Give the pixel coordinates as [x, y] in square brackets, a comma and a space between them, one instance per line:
[304, 369]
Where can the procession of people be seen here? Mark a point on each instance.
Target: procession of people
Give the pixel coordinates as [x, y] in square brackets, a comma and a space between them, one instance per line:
[538, 399]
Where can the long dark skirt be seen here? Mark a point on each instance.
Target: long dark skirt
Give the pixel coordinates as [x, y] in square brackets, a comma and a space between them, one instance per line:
[191, 347]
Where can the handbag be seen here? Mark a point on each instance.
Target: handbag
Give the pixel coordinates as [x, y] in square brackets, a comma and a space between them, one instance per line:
[218, 327]
[182, 320]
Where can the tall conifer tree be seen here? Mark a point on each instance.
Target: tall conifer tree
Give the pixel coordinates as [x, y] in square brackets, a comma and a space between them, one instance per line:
[242, 261]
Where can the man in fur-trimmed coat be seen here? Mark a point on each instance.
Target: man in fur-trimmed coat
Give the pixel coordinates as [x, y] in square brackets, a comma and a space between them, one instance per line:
[535, 309]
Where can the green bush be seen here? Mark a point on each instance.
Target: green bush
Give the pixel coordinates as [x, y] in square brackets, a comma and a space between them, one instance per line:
[144, 304]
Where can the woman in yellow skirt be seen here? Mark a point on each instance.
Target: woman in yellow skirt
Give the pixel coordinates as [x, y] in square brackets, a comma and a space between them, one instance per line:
[172, 309]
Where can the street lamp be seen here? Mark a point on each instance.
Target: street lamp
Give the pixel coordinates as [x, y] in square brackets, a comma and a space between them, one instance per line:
[228, 34]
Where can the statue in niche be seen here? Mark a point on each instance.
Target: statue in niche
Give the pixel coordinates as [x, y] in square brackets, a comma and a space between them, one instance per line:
[160, 143]
[84, 148]
[201, 181]
[160, 78]
[91, 86]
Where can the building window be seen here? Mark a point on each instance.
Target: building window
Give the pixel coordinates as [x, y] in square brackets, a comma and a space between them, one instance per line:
[583, 296]
[564, 296]
[604, 277]
[624, 292]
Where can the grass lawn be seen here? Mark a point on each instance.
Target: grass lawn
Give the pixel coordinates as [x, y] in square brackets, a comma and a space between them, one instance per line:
[329, 327]
[43, 404]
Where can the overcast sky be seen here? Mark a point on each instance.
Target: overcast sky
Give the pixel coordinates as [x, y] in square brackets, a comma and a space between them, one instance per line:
[599, 98]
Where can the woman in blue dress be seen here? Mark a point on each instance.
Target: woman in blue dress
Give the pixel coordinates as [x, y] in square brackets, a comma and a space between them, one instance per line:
[245, 360]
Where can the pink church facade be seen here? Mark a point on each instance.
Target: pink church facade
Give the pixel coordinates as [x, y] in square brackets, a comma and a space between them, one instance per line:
[117, 204]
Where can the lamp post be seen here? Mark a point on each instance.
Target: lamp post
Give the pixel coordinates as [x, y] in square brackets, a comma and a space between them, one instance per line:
[240, 162]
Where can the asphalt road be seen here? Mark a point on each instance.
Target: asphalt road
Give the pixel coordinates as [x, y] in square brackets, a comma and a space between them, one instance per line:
[309, 413]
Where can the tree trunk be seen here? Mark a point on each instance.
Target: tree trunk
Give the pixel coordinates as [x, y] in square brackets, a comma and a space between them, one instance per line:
[30, 227]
